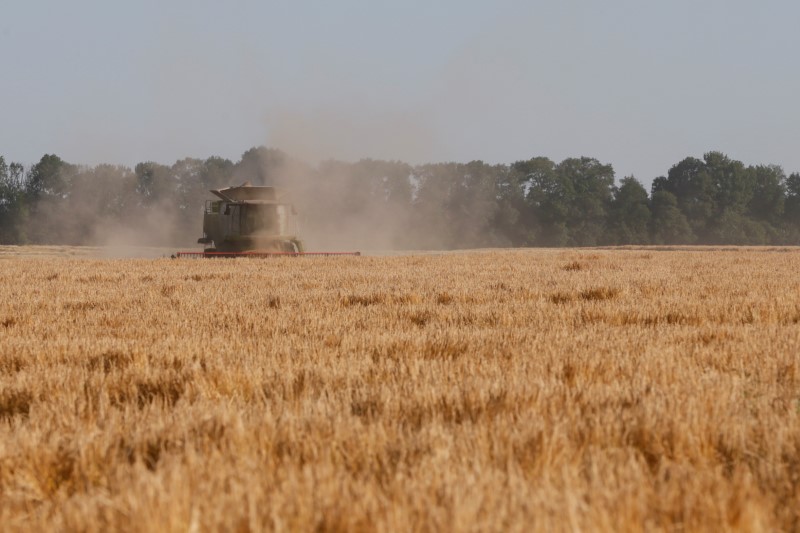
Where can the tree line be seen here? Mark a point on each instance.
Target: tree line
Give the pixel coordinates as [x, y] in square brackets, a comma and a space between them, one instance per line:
[391, 204]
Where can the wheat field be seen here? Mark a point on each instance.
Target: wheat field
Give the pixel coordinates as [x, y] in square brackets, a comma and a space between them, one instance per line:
[531, 390]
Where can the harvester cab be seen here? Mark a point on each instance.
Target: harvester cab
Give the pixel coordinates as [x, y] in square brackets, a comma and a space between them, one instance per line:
[250, 218]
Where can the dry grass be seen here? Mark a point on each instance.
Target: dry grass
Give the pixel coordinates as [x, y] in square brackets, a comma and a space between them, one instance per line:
[509, 391]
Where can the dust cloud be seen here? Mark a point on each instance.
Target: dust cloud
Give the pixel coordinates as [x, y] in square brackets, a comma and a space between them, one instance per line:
[345, 201]
[346, 206]
[349, 172]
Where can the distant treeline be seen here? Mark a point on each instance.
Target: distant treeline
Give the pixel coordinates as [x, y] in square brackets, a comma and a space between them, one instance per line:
[391, 204]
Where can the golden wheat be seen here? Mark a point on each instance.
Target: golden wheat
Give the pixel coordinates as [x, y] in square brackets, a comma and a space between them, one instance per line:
[508, 391]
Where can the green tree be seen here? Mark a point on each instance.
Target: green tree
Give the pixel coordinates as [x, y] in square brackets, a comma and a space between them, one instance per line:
[13, 205]
[154, 183]
[732, 184]
[791, 216]
[261, 166]
[668, 225]
[433, 224]
[768, 199]
[49, 177]
[216, 173]
[693, 189]
[457, 205]
[545, 201]
[475, 203]
[47, 189]
[733, 227]
[591, 185]
[509, 221]
[567, 203]
[734, 187]
[629, 214]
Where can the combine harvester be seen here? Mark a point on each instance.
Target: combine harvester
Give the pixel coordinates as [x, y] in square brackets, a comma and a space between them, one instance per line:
[251, 221]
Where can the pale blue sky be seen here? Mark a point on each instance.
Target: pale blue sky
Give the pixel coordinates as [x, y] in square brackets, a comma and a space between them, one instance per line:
[639, 84]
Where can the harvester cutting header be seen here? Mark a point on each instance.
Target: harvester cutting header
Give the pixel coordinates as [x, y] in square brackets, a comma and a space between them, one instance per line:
[251, 221]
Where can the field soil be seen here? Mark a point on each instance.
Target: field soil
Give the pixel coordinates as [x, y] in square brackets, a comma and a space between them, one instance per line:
[532, 390]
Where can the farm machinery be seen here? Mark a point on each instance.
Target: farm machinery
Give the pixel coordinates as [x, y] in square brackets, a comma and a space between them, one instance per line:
[251, 221]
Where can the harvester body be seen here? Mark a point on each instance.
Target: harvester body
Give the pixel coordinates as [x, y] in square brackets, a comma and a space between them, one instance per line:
[250, 219]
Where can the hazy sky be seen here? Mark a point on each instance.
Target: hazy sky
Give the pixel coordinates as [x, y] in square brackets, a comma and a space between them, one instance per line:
[639, 84]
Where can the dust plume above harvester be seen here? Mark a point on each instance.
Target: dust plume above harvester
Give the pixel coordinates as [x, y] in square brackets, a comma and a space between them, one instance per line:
[251, 221]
